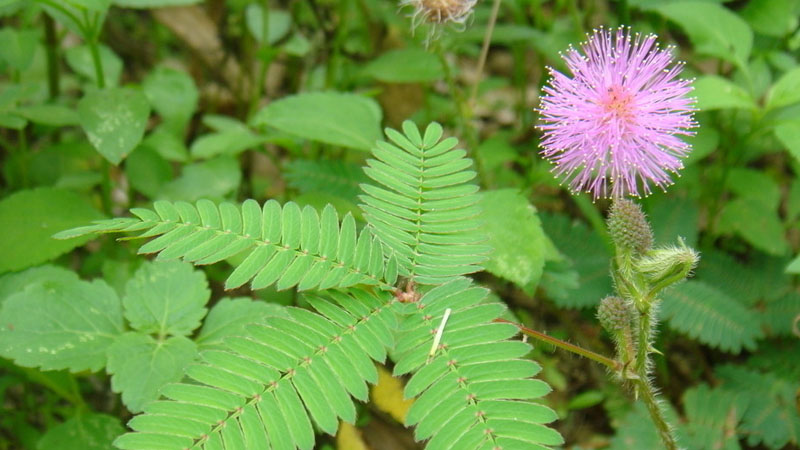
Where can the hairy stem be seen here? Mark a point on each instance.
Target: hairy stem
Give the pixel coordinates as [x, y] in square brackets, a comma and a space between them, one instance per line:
[648, 395]
[487, 39]
[608, 362]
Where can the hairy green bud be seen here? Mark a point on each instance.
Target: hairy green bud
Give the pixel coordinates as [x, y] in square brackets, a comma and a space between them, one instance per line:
[615, 314]
[665, 266]
[629, 227]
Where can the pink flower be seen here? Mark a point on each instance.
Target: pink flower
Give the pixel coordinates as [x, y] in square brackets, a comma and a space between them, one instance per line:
[613, 127]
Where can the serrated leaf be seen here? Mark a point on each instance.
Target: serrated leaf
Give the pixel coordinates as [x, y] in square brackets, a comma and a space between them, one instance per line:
[114, 120]
[141, 365]
[29, 218]
[61, 325]
[166, 298]
[341, 119]
[586, 257]
[515, 233]
[230, 317]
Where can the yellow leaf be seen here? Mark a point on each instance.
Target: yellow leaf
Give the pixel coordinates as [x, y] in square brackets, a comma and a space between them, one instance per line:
[387, 396]
[349, 438]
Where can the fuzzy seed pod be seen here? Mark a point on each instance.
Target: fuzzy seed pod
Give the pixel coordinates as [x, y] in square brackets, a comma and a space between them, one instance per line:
[629, 227]
[668, 265]
[615, 314]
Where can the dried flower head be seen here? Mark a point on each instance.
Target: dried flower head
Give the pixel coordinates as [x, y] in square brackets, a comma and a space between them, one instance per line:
[437, 12]
[612, 129]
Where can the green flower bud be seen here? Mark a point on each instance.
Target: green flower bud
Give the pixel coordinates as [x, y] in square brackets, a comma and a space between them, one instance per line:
[629, 228]
[665, 266]
[615, 314]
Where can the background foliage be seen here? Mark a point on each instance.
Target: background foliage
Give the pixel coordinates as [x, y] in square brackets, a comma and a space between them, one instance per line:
[108, 106]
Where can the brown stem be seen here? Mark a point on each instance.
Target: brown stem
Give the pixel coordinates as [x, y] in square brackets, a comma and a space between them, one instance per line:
[614, 365]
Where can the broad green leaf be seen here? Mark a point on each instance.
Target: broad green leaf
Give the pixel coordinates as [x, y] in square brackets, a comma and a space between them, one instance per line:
[214, 179]
[771, 17]
[410, 65]
[114, 120]
[794, 266]
[141, 365]
[231, 142]
[755, 223]
[61, 325]
[167, 143]
[516, 234]
[715, 92]
[83, 432]
[279, 23]
[166, 298]
[713, 29]
[91, 5]
[587, 256]
[153, 3]
[785, 91]
[147, 171]
[172, 94]
[18, 47]
[11, 283]
[230, 317]
[80, 60]
[755, 184]
[54, 115]
[29, 218]
[788, 133]
[336, 118]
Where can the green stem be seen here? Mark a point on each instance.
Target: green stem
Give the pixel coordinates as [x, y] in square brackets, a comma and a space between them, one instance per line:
[94, 48]
[608, 362]
[263, 62]
[590, 212]
[53, 87]
[648, 395]
[463, 113]
[105, 186]
[487, 39]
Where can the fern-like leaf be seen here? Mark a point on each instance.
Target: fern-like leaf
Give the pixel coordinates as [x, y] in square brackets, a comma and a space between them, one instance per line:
[473, 392]
[288, 246]
[710, 316]
[267, 388]
[425, 210]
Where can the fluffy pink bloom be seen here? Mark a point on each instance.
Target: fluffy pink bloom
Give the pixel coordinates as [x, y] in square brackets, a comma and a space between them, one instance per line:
[613, 127]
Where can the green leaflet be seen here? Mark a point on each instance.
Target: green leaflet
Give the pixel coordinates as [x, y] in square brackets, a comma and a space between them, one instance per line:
[282, 245]
[473, 390]
[425, 209]
[262, 389]
[710, 316]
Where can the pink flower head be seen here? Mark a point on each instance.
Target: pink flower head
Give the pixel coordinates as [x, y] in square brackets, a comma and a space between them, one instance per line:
[614, 126]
